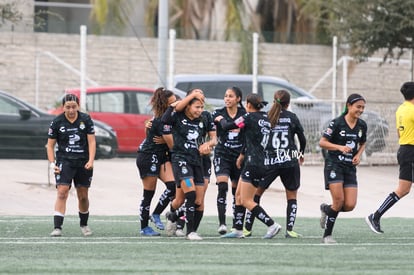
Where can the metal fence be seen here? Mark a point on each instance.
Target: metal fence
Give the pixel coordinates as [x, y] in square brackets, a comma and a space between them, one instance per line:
[37, 67]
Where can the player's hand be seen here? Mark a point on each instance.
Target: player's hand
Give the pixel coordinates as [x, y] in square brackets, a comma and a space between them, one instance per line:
[356, 160]
[239, 161]
[89, 165]
[158, 140]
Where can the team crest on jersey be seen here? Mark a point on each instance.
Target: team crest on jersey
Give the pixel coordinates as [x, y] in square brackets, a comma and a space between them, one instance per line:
[217, 168]
[332, 175]
[82, 125]
[360, 133]
[328, 131]
[201, 125]
[153, 168]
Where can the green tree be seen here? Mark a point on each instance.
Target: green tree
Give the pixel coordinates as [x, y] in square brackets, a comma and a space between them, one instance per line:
[283, 21]
[371, 25]
[287, 21]
[9, 13]
[110, 16]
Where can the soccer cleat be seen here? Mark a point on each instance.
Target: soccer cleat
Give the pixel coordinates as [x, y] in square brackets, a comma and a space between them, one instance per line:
[179, 233]
[148, 231]
[246, 232]
[328, 240]
[193, 236]
[234, 234]
[323, 215]
[272, 231]
[57, 232]
[292, 234]
[222, 229]
[171, 216]
[171, 225]
[373, 224]
[156, 219]
[86, 231]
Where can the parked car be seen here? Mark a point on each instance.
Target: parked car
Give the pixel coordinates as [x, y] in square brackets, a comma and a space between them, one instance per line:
[124, 108]
[314, 114]
[23, 131]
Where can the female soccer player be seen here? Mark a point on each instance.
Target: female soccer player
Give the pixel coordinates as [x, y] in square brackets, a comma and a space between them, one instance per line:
[74, 133]
[285, 159]
[209, 138]
[344, 139]
[228, 149]
[187, 128]
[257, 131]
[153, 162]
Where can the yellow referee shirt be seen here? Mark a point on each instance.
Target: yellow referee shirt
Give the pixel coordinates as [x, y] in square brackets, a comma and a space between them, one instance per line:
[405, 123]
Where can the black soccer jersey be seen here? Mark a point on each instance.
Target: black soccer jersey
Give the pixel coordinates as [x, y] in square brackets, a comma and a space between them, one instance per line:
[208, 126]
[339, 132]
[230, 143]
[148, 145]
[187, 135]
[256, 131]
[284, 152]
[71, 138]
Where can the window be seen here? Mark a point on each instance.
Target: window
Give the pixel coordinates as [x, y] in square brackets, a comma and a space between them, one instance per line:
[106, 102]
[269, 89]
[143, 100]
[8, 107]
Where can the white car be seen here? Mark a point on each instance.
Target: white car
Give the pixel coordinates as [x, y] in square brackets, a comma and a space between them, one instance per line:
[314, 114]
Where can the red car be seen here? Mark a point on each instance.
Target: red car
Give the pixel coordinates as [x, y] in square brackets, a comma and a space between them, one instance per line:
[124, 108]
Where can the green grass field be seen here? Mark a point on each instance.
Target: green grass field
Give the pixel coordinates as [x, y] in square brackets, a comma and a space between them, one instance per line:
[116, 247]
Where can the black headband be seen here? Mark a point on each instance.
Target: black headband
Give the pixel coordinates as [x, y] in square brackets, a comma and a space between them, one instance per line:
[352, 101]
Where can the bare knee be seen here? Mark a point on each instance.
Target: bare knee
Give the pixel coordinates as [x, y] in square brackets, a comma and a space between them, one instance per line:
[62, 195]
[347, 208]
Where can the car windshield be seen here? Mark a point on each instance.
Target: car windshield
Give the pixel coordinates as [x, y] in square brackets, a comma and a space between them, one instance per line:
[216, 89]
[10, 106]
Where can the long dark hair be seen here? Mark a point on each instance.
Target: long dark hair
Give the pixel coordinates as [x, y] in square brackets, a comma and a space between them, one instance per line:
[238, 92]
[281, 99]
[159, 101]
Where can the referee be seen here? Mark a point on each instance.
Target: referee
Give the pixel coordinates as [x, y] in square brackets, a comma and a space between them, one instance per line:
[405, 129]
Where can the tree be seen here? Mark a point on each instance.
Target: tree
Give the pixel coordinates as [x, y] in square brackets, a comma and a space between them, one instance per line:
[9, 13]
[118, 13]
[209, 19]
[371, 25]
[286, 21]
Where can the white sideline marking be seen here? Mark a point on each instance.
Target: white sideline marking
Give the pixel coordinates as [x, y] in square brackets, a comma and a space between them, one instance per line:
[181, 241]
[66, 218]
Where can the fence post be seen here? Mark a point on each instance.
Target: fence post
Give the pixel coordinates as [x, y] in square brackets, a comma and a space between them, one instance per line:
[171, 59]
[82, 98]
[334, 72]
[254, 63]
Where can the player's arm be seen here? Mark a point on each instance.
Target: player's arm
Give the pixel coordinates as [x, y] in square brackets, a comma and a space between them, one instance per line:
[92, 151]
[50, 149]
